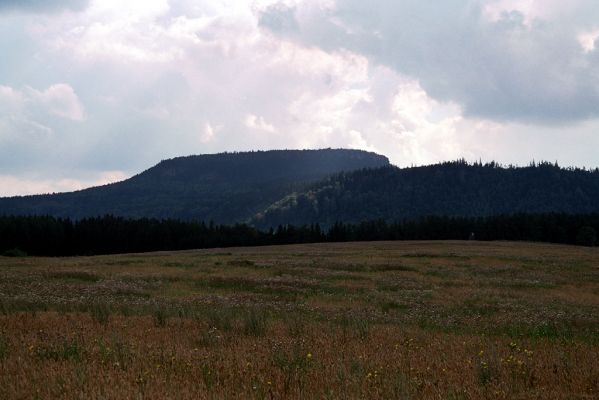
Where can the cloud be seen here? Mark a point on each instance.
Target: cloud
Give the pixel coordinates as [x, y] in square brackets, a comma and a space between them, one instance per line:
[42, 6]
[58, 100]
[20, 185]
[588, 40]
[496, 60]
[280, 18]
[258, 123]
[36, 125]
[11, 100]
[420, 82]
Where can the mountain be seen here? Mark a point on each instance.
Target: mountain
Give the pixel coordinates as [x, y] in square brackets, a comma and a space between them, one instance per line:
[271, 188]
[449, 189]
[224, 188]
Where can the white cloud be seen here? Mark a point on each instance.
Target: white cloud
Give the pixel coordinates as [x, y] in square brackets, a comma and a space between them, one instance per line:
[23, 185]
[11, 100]
[59, 100]
[131, 10]
[258, 123]
[417, 81]
[207, 134]
[588, 40]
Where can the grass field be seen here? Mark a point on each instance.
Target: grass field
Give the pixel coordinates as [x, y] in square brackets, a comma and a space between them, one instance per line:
[408, 320]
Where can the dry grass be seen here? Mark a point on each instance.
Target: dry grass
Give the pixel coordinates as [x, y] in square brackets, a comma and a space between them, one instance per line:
[448, 320]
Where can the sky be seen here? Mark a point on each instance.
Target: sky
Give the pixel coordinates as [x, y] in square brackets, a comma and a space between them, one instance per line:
[95, 91]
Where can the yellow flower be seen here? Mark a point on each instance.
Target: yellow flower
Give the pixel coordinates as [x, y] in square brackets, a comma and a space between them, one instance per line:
[309, 356]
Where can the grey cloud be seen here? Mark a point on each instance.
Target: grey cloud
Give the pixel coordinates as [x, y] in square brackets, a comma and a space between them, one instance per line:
[503, 70]
[42, 6]
[279, 18]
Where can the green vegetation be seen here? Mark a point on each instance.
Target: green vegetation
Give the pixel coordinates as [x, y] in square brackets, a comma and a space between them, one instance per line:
[225, 188]
[452, 189]
[14, 253]
[317, 188]
[48, 236]
[372, 320]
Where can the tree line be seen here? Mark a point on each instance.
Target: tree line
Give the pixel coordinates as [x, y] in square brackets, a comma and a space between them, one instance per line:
[455, 189]
[50, 236]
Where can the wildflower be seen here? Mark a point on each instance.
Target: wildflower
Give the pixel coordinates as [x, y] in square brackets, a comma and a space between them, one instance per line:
[309, 356]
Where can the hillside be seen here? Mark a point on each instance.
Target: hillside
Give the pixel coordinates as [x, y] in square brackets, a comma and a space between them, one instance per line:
[448, 189]
[225, 188]
[297, 187]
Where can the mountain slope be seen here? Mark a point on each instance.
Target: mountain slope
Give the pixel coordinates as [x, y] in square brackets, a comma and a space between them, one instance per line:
[225, 188]
[450, 189]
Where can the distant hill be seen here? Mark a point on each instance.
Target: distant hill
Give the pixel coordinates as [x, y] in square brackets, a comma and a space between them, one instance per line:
[224, 188]
[271, 188]
[448, 189]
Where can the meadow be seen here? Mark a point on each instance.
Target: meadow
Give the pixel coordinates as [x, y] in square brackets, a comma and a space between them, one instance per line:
[371, 320]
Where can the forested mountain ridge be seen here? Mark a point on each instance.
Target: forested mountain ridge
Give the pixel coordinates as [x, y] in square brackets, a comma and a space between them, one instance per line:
[272, 188]
[454, 189]
[224, 188]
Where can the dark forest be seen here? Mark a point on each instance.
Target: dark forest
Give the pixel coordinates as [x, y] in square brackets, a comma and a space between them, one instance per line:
[50, 236]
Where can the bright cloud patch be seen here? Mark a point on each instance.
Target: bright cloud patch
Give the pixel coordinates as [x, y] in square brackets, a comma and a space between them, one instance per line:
[588, 40]
[58, 100]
